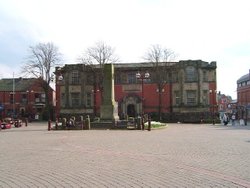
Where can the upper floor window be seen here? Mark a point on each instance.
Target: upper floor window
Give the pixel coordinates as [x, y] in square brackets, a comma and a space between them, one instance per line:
[174, 77]
[117, 78]
[191, 74]
[75, 77]
[205, 76]
[40, 97]
[12, 100]
[123, 78]
[191, 97]
[90, 79]
[24, 98]
[43, 97]
[131, 78]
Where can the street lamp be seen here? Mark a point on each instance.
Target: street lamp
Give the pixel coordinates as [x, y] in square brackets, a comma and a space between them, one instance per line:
[160, 92]
[29, 101]
[142, 77]
[94, 91]
[213, 97]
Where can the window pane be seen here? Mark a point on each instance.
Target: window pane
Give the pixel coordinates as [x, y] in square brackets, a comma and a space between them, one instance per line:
[205, 97]
[177, 97]
[75, 77]
[191, 74]
[63, 99]
[191, 97]
[131, 78]
[75, 99]
[88, 99]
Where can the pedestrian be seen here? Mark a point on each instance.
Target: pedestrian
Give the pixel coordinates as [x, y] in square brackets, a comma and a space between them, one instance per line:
[242, 122]
[233, 119]
[225, 119]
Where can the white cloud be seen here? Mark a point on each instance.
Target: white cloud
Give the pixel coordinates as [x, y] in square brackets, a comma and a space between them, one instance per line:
[208, 30]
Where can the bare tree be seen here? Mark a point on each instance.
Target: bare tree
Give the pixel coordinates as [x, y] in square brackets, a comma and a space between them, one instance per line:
[156, 53]
[42, 58]
[161, 58]
[99, 54]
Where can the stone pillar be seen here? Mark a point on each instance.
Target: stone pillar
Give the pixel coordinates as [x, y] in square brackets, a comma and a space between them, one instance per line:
[109, 108]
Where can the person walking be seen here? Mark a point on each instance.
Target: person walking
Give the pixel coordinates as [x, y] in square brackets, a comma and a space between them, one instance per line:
[233, 119]
[225, 119]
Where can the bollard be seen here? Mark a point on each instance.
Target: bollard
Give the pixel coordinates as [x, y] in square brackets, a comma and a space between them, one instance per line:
[82, 122]
[64, 121]
[149, 123]
[139, 123]
[87, 121]
[142, 123]
[26, 122]
[49, 125]
[56, 123]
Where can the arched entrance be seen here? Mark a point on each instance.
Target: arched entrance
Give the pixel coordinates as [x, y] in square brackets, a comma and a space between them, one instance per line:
[130, 106]
[131, 110]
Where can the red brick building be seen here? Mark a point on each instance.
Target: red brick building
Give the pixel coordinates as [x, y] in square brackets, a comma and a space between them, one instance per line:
[174, 91]
[22, 97]
[243, 96]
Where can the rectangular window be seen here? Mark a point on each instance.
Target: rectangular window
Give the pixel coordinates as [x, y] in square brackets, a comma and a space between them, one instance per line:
[123, 78]
[63, 99]
[191, 97]
[191, 74]
[11, 98]
[88, 99]
[75, 99]
[174, 77]
[117, 78]
[90, 79]
[37, 98]
[131, 78]
[205, 97]
[43, 96]
[75, 77]
[205, 76]
[24, 98]
[177, 97]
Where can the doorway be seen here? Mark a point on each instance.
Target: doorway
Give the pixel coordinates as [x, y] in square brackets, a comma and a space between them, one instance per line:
[131, 110]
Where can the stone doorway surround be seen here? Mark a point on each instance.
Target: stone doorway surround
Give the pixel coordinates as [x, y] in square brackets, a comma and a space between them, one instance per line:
[131, 103]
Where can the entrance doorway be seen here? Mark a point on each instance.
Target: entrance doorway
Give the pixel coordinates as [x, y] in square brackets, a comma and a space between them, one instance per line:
[131, 110]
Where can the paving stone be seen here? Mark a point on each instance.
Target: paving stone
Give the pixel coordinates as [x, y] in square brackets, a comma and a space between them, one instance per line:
[182, 155]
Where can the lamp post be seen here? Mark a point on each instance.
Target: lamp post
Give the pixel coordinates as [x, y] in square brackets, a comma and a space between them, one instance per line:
[59, 79]
[29, 102]
[94, 91]
[13, 97]
[142, 77]
[213, 97]
[160, 91]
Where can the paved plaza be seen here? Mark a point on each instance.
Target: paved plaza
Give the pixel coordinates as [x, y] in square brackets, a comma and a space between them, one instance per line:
[181, 155]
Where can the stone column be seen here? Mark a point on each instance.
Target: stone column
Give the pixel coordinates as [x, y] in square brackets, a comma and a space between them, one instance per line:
[109, 108]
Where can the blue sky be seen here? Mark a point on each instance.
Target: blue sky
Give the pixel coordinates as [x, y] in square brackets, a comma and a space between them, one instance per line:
[209, 30]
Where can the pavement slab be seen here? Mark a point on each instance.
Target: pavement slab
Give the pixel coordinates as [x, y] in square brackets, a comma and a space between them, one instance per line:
[181, 155]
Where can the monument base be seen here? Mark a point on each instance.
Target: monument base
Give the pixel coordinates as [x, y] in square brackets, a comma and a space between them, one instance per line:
[109, 113]
[102, 125]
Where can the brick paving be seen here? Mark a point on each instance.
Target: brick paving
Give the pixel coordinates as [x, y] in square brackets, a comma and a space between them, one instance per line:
[181, 155]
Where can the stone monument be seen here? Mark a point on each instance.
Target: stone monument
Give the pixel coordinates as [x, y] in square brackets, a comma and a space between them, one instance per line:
[109, 108]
